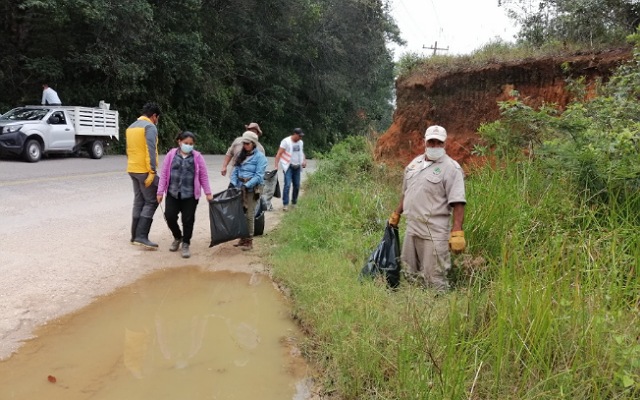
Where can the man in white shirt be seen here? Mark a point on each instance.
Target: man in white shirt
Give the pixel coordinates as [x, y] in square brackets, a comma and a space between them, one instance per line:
[292, 159]
[50, 96]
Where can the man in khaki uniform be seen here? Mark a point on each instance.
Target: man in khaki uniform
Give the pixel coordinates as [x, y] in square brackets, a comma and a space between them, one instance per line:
[236, 147]
[432, 189]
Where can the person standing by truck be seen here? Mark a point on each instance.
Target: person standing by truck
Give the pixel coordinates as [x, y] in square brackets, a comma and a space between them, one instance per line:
[184, 176]
[142, 162]
[50, 96]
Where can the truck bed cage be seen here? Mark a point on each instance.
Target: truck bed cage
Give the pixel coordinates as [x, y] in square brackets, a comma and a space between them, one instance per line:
[94, 121]
[90, 121]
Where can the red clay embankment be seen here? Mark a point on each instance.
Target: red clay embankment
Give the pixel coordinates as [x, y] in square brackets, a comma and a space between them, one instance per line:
[461, 100]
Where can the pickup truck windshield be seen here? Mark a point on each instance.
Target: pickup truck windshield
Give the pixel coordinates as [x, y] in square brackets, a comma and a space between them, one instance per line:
[25, 114]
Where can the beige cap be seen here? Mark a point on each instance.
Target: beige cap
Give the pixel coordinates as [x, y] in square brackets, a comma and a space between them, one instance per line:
[251, 136]
[255, 126]
[436, 132]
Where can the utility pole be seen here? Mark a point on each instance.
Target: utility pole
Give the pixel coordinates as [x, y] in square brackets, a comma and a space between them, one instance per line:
[435, 48]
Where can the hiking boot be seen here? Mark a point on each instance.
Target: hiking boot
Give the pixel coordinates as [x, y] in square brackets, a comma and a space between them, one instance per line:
[185, 250]
[142, 234]
[175, 245]
[248, 245]
[240, 243]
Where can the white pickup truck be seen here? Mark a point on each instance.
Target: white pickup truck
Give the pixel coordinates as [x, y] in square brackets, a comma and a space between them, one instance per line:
[32, 131]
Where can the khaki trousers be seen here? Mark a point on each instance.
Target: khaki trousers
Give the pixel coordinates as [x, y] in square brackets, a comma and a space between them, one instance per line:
[427, 259]
[250, 202]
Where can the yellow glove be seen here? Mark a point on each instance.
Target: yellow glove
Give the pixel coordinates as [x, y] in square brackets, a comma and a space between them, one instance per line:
[457, 242]
[394, 219]
[149, 181]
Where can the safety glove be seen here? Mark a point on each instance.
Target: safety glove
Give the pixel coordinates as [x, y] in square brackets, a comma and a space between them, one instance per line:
[394, 219]
[457, 242]
[150, 177]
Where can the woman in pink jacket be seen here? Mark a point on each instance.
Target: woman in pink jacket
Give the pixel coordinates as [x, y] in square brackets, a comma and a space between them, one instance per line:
[183, 177]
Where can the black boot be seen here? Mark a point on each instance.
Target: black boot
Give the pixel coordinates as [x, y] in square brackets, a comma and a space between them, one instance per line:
[142, 234]
[134, 227]
[248, 244]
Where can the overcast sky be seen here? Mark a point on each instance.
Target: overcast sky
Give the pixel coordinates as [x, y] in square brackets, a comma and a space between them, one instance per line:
[460, 25]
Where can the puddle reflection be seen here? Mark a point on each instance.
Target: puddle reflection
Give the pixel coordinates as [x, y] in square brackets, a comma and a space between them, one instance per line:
[177, 334]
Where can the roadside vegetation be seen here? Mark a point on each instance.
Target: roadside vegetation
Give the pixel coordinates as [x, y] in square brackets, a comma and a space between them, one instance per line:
[497, 52]
[546, 302]
[547, 28]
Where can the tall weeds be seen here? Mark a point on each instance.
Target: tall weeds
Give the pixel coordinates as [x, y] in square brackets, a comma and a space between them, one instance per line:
[546, 303]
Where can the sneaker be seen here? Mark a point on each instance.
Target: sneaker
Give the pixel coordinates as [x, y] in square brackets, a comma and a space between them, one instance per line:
[185, 250]
[175, 245]
[285, 208]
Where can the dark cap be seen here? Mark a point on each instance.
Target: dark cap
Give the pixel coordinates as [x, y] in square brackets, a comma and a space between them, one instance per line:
[298, 131]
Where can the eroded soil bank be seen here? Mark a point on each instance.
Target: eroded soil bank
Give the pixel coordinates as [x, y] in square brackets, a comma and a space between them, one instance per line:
[463, 99]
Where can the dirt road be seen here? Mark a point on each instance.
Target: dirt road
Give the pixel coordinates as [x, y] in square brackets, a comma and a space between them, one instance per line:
[64, 239]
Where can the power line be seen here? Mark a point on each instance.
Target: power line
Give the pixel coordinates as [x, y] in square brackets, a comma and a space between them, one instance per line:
[414, 24]
[435, 11]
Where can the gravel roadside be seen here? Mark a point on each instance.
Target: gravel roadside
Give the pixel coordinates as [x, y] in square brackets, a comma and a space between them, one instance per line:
[64, 239]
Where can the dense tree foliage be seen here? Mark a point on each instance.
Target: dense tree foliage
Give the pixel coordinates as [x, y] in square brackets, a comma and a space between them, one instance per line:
[212, 65]
[579, 21]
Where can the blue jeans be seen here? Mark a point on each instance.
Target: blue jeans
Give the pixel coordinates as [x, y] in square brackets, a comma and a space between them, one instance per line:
[292, 175]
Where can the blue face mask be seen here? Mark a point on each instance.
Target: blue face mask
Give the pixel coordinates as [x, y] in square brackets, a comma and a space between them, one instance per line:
[186, 148]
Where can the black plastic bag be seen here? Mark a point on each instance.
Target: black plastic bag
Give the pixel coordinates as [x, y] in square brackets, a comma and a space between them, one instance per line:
[226, 217]
[385, 259]
[277, 194]
[258, 223]
[271, 187]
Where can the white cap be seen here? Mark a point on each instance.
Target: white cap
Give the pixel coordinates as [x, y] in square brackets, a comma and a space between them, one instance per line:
[436, 132]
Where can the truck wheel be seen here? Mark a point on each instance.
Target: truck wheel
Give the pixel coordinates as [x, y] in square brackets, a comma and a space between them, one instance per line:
[96, 149]
[32, 151]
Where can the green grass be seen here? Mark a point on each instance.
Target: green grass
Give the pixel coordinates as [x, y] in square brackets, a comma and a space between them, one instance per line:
[494, 52]
[546, 304]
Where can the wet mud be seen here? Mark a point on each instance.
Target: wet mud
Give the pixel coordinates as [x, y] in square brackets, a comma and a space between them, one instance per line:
[181, 333]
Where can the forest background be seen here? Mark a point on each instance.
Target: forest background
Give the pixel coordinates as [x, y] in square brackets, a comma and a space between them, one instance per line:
[212, 65]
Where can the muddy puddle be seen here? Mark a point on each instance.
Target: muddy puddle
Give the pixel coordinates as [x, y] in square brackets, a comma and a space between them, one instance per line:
[177, 334]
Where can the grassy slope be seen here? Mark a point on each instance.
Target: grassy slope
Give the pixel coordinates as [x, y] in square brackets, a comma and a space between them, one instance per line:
[498, 52]
[546, 303]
